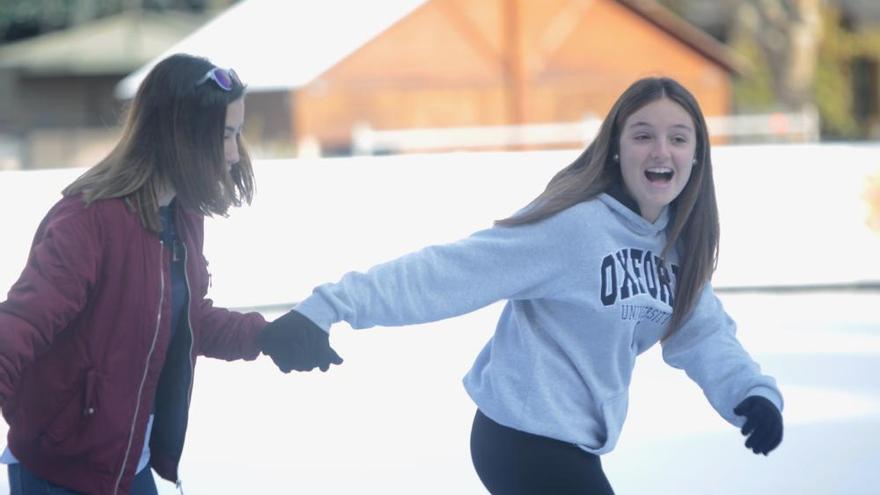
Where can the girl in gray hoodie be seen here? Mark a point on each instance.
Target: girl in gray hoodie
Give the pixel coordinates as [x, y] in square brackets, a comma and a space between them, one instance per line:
[613, 257]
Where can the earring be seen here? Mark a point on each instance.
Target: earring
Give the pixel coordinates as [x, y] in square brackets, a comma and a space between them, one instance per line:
[616, 157]
[694, 161]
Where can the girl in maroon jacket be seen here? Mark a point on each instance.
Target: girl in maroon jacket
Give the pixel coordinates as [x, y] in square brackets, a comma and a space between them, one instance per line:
[99, 336]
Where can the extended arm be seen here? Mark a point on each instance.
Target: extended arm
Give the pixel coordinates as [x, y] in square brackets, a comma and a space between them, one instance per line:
[707, 349]
[443, 281]
[434, 283]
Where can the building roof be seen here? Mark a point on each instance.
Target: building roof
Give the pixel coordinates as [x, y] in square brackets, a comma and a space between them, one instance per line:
[688, 33]
[286, 46]
[277, 45]
[115, 44]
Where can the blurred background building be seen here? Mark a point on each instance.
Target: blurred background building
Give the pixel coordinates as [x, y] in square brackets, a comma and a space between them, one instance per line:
[60, 61]
[337, 78]
[509, 72]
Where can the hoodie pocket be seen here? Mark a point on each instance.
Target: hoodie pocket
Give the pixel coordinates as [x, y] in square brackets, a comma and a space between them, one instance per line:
[74, 415]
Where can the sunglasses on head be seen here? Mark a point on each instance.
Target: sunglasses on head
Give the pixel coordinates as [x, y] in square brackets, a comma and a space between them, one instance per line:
[224, 78]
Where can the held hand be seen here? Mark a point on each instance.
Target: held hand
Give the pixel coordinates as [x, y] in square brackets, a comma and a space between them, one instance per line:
[763, 423]
[295, 343]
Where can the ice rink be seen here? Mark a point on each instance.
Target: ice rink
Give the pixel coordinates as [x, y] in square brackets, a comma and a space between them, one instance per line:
[395, 419]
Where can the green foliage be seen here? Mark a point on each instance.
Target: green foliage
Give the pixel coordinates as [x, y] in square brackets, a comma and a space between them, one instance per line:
[46, 15]
[13, 11]
[834, 83]
[753, 92]
[34, 17]
[832, 87]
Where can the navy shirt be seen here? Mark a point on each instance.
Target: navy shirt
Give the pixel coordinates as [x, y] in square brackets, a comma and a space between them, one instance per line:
[178, 276]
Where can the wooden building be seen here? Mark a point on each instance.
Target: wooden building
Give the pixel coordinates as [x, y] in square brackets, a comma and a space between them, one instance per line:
[454, 68]
[469, 63]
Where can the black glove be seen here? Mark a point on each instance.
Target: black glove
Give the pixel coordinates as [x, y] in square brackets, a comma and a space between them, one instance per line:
[763, 423]
[295, 343]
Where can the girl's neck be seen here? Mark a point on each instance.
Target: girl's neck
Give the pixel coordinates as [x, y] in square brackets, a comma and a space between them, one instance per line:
[164, 195]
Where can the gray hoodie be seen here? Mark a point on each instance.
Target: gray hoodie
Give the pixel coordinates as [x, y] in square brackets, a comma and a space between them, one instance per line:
[586, 293]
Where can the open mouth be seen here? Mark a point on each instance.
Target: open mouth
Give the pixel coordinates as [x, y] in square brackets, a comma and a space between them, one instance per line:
[659, 175]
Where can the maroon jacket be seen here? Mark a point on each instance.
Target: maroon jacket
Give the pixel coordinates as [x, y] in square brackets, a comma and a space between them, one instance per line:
[85, 346]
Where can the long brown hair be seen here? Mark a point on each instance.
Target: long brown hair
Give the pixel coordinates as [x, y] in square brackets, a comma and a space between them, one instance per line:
[694, 227]
[173, 135]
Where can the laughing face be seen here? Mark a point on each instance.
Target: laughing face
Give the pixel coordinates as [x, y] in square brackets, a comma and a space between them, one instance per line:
[657, 146]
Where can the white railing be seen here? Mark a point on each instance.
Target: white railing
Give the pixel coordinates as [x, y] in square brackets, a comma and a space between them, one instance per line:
[801, 127]
[366, 141]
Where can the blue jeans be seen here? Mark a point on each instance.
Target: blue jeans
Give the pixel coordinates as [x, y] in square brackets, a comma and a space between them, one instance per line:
[23, 482]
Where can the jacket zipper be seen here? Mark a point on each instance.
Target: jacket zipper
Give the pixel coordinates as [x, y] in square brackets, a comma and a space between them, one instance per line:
[146, 365]
[192, 339]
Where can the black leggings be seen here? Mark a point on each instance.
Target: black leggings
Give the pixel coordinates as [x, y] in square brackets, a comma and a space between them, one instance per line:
[511, 462]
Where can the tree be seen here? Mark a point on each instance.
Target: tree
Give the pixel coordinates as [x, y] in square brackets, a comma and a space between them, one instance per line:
[802, 52]
[21, 19]
[787, 35]
[848, 104]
